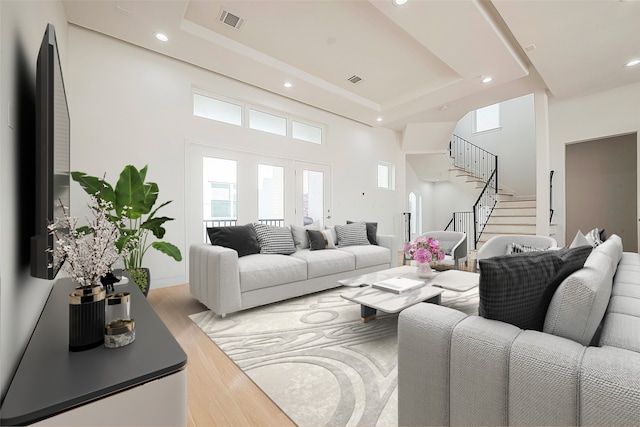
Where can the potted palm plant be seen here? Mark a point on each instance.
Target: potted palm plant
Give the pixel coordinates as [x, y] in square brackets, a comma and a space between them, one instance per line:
[133, 200]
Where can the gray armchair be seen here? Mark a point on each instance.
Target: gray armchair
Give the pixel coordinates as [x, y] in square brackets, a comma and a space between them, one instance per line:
[497, 245]
[454, 244]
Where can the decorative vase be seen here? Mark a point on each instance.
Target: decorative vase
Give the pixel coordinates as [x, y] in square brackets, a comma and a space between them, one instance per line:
[425, 271]
[86, 318]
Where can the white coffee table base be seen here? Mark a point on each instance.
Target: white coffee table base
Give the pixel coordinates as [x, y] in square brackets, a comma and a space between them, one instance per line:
[371, 299]
[368, 314]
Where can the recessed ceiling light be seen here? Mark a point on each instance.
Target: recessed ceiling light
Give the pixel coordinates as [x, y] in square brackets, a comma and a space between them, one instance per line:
[399, 2]
[633, 63]
[379, 119]
[287, 84]
[487, 79]
[162, 37]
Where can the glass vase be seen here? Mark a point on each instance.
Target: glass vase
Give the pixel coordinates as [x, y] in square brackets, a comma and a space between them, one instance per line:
[424, 271]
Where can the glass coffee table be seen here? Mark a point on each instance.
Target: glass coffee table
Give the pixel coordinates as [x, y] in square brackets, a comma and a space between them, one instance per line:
[372, 299]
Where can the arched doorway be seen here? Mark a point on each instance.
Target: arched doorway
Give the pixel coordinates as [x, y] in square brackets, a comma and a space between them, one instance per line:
[415, 207]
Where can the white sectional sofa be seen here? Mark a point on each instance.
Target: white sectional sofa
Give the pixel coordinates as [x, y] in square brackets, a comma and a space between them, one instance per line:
[227, 283]
[583, 368]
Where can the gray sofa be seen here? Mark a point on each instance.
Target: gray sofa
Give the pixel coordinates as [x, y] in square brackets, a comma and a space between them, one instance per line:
[582, 369]
[226, 283]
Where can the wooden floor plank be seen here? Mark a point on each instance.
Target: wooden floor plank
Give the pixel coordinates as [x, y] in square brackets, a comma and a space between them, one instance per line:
[219, 393]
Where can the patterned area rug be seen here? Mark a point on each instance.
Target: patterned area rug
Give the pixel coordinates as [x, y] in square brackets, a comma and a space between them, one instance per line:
[316, 360]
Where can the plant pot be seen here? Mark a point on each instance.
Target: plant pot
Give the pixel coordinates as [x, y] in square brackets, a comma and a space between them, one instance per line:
[141, 277]
[86, 318]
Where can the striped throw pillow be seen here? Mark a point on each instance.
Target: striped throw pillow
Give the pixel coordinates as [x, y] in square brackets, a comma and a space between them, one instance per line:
[274, 240]
[593, 237]
[352, 234]
[518, 248]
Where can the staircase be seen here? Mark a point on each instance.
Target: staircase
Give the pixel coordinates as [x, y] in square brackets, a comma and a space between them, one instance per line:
[512, 216]
[508, 214]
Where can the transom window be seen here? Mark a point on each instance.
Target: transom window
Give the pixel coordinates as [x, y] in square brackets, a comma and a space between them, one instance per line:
[266, 122]
[257, 118]
[486, 118]
[216, 109]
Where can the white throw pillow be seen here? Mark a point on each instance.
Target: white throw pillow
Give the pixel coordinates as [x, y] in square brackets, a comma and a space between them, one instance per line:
[579, 240]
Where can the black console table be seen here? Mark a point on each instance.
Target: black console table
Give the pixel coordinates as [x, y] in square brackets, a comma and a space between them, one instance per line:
[143, 383]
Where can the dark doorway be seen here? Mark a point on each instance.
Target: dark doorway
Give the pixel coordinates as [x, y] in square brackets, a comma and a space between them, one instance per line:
[602, 188]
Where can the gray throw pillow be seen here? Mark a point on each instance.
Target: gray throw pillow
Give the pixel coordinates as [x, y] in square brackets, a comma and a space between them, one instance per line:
[518, 288]
[299, 233]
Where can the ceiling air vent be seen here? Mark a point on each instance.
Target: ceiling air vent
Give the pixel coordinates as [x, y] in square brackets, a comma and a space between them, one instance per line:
[355, 79]
[230, 19]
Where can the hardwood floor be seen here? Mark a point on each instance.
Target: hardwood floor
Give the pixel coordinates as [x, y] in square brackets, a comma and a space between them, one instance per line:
[219, 393]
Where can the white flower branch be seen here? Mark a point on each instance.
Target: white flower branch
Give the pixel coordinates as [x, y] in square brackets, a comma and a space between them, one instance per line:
[88, 252]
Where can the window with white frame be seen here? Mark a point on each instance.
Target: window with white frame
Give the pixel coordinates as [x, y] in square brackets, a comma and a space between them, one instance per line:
[216, 109]
[220, 198]
[486, 118]
[259, 120]
[386, 178]
[271, 194]
[306, 132]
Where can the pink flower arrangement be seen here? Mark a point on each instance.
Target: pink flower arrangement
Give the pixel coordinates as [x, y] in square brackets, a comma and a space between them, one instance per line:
[424, 250]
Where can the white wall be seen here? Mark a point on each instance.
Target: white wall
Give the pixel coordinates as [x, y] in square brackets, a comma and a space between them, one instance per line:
[447, 199]
[514, 144]
[427, 137]
[22, 25]
[130, 105]
[609, 113]
[439, 200]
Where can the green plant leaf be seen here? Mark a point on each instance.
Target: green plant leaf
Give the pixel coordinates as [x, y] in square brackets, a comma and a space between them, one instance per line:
[143, 173]
[84, 229]
[93, 185]
[156, 209]
[155, 225]
[150, 195]
[130, 192]
[169, 249]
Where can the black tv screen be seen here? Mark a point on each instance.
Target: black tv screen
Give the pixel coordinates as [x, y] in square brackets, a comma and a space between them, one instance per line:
[51, 155]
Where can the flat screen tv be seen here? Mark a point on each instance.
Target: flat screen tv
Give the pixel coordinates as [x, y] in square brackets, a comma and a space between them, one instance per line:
[51, 155]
